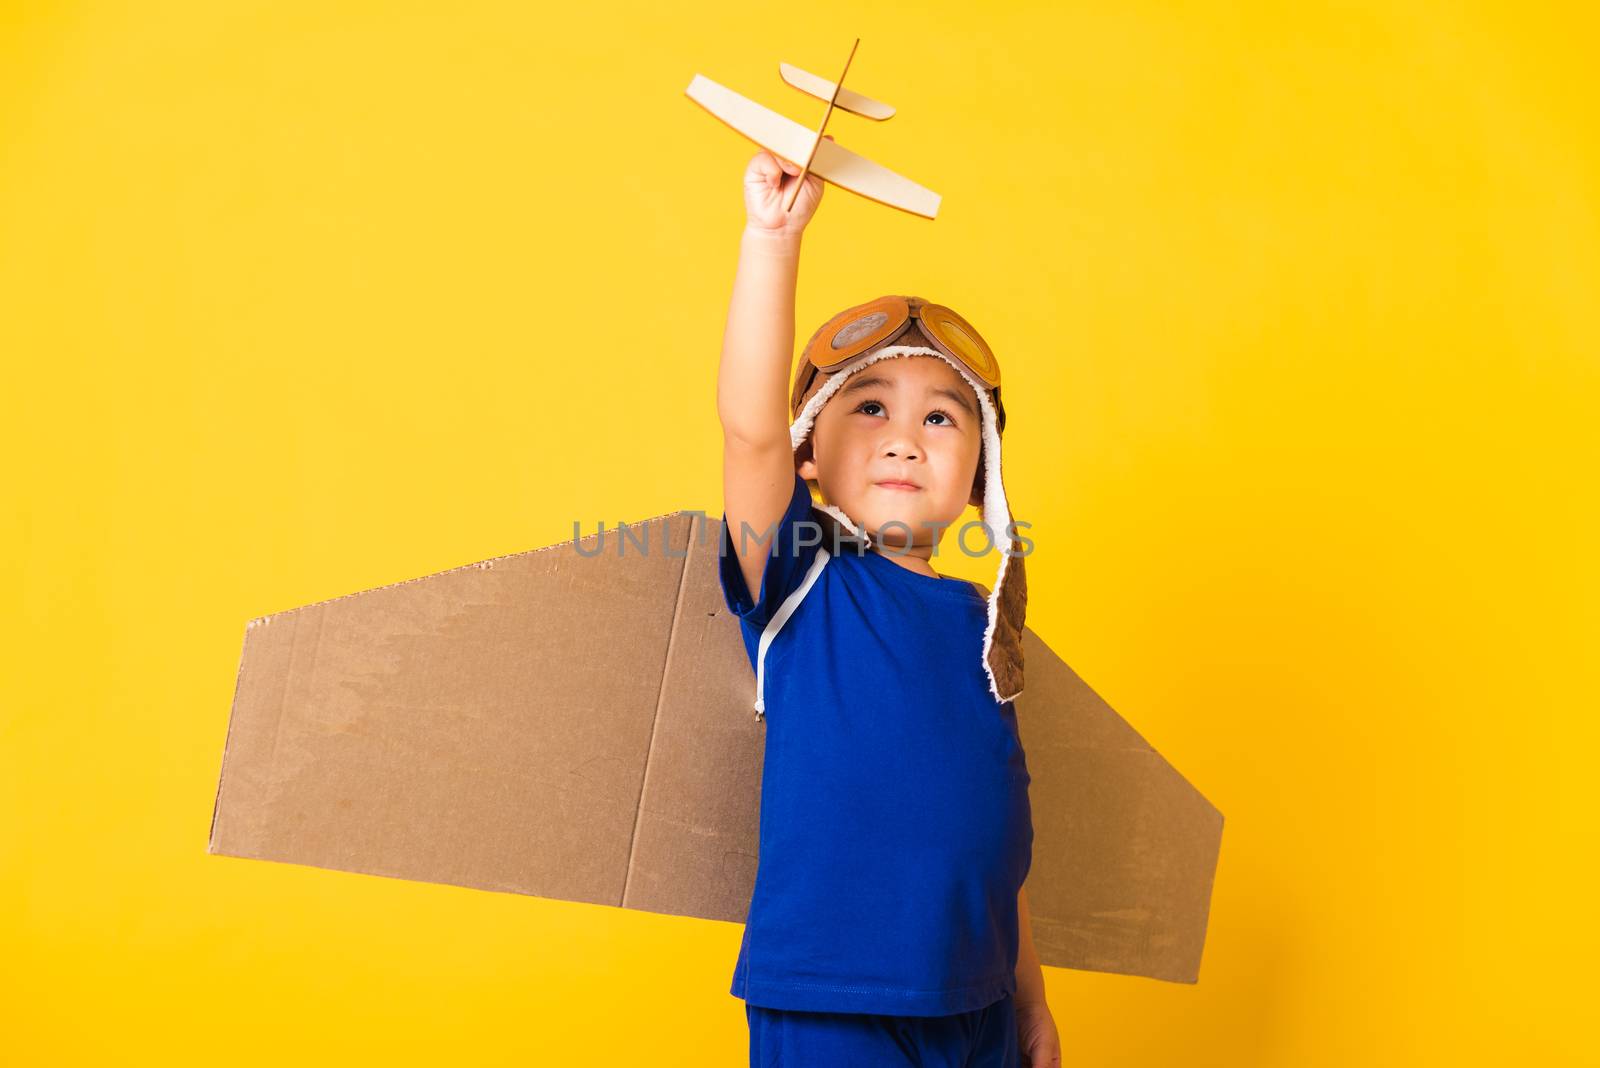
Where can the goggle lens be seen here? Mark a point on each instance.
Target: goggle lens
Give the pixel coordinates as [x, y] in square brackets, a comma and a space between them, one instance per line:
[857, 329]
[953, 335]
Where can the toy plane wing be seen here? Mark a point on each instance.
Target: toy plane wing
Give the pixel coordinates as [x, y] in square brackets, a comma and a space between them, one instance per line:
[832, 161]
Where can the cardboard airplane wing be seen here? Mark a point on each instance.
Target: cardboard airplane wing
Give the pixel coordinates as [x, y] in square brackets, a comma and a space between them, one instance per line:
[575, 722]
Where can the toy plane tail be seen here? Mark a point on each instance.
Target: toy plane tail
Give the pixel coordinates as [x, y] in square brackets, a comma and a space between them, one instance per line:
[823, 89]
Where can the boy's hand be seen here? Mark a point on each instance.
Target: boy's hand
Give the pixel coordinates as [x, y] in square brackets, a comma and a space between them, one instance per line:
[1037, 1036]
[767, 182]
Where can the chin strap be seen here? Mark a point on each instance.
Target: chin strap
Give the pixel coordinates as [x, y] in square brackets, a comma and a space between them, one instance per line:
[845, 521]
[775, 624]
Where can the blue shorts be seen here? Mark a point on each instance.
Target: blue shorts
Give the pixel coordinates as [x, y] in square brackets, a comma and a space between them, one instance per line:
[788, 1038]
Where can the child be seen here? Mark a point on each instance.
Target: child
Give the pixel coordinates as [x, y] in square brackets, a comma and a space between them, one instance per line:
[888, 924]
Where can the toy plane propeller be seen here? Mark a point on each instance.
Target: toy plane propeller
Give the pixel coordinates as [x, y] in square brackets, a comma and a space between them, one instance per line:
[799, 144]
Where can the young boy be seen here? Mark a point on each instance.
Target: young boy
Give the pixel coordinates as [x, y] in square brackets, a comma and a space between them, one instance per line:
[888, 924]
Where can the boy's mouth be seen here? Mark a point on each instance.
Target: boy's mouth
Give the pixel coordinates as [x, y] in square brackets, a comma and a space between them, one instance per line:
[895, 484]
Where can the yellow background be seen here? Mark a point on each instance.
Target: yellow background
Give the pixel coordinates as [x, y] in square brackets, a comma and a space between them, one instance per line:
[1297, 310]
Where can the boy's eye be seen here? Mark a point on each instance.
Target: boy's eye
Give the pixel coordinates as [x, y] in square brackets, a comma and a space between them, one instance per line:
[949, 420]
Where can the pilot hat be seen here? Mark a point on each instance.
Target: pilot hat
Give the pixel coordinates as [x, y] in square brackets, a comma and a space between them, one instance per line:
[911, 326]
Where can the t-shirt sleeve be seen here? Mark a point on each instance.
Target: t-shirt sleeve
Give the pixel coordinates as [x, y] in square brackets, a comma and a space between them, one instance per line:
[789, 555]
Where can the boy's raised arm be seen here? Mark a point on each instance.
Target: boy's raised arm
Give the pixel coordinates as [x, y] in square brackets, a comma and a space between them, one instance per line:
[752, 378]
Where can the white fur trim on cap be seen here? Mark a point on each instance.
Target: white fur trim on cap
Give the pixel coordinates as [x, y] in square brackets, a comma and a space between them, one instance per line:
[995, 513]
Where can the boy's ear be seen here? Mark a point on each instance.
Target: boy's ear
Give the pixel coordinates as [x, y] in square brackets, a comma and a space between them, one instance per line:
[807, 469]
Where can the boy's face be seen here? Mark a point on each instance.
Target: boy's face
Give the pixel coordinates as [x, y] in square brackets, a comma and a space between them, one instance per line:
[911, 418]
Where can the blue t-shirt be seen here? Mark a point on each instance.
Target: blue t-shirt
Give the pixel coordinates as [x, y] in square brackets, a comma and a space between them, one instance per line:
[895, 828]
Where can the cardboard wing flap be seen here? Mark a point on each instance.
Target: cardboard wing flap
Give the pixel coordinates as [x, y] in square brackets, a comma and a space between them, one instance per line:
[1124, 849]
[575, 722]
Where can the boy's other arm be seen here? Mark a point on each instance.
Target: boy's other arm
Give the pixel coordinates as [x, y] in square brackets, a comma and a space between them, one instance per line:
[1030, 974]
[1037, 1033]
[752, 397]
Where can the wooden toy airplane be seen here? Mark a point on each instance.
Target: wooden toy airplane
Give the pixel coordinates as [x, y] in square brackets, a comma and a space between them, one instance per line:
[828, 160]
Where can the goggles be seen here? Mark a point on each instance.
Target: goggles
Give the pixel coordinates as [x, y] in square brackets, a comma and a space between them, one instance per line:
[879, 322]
